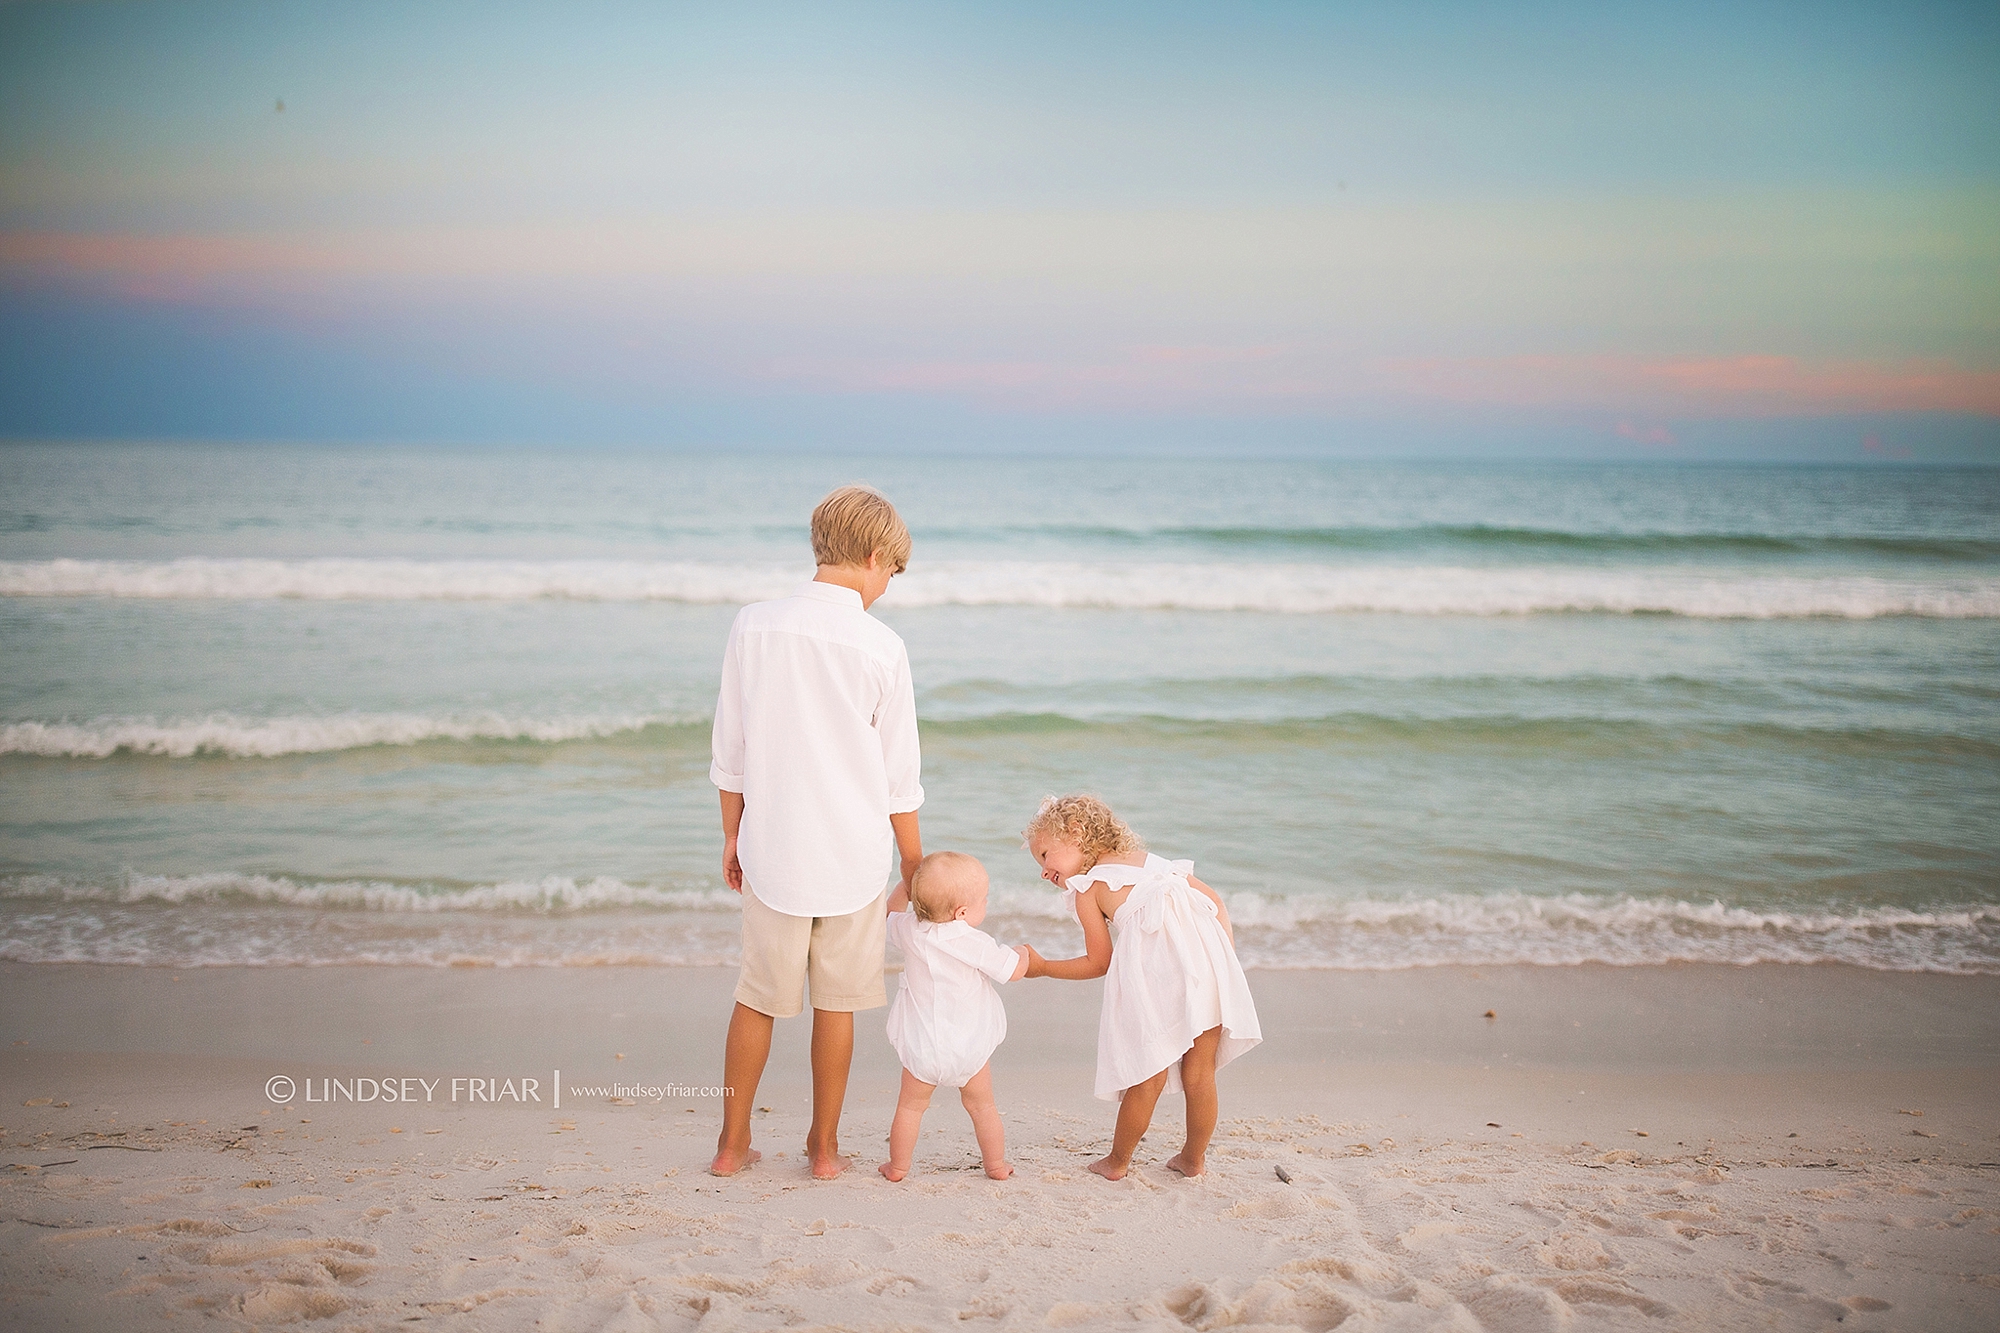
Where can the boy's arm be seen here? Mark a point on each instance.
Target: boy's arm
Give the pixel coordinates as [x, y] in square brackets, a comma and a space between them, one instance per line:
[725, 769]
[732, 823]
[1096, 958]
[1221, 912]
[909, 849]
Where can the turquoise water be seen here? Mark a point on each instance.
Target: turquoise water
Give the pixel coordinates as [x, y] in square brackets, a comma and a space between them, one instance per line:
[290, 705]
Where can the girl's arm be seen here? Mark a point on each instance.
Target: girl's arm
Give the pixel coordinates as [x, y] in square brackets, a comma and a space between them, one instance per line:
[1096, 959]
[1221, 912]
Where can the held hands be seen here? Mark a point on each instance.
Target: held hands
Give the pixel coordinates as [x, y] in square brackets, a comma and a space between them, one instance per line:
[1033, 964]
[1021, 968]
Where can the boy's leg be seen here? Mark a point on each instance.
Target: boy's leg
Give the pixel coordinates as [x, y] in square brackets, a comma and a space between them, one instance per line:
[911, 1103]
[771, 986]
[1135, 1113]
[977, 1098]
[1198, 1082]
[844, 967]
[743, 1060]
[832, 1055]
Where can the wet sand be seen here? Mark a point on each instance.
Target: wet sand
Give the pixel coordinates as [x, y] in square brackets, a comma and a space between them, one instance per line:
[1648, 1147]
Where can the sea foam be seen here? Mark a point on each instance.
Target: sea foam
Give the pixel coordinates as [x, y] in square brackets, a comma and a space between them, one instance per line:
[1248, 586]
[237, 737]
[235, 919]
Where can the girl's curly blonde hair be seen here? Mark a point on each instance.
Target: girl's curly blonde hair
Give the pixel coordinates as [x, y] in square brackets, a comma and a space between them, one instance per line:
[1085, 823]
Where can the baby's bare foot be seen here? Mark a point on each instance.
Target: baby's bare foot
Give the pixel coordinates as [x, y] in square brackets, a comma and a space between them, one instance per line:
[1000, 1171]
[1109, 1169]
[1186, 1165]
[728, 1161]
[892, 1172]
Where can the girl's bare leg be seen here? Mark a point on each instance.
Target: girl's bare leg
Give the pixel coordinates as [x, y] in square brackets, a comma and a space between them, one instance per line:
[911, 1103]
[977, 1098]
[1135, 1113]
[1198, 1081]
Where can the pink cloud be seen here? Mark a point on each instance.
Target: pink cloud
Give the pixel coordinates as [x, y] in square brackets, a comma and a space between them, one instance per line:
[1760, 385]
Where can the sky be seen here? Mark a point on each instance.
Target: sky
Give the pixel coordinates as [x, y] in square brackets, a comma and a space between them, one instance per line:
[1738, 231]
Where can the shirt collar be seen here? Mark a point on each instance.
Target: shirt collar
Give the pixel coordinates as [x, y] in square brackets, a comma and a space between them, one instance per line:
[829, 592]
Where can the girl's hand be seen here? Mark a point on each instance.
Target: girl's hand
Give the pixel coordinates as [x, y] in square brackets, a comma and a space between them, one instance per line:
[1027, 961]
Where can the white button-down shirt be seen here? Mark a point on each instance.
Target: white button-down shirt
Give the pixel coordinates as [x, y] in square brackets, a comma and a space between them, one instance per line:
[816, 725]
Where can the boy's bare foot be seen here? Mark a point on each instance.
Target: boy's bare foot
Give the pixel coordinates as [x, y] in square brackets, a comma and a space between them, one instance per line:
[1000, 1171]
[1187, 1166]
[728, 1161]
[1109, 1169]
[892, 1172]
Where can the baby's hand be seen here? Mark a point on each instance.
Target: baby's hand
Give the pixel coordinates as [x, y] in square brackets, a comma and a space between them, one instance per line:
[1021, 968]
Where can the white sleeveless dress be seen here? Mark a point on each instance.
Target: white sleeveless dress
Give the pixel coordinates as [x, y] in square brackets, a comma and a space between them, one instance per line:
[1173, 976]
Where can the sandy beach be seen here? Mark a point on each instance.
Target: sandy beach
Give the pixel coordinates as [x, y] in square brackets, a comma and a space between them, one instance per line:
[1668, 1147]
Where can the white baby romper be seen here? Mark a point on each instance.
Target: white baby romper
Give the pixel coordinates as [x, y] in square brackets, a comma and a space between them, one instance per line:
[947, 1019]
[1173, 976]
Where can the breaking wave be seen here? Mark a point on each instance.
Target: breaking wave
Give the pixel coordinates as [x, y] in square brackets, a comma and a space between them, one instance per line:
[261, 920]
[1269, 587]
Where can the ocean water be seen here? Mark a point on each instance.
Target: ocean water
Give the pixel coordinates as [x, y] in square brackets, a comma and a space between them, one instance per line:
[288, 705]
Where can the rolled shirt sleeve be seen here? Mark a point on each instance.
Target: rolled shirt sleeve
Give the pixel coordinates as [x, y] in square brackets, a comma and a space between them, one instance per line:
[902, 756]
[726, 749]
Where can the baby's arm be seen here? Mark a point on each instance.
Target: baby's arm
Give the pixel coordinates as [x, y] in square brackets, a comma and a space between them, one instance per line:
[1221, 912]
[1096, 958]
[899, 897]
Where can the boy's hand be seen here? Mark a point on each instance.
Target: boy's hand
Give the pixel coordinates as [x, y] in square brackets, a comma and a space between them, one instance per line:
[732, 869]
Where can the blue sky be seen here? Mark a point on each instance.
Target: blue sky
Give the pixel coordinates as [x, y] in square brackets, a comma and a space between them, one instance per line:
[1736, 231]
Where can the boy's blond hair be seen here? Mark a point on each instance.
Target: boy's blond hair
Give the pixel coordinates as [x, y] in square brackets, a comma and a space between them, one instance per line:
[1085, 823]
[939, 885]
[855, 522]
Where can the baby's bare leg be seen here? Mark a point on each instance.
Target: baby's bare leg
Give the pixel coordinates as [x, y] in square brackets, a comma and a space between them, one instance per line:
[1198, 1081]
[977, 1098]
[911, 1103]
[1135, 1113]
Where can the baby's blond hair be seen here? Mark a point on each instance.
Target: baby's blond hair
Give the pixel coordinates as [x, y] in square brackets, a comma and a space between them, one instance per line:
[1085, 823]
[941, 884]
[855, 522]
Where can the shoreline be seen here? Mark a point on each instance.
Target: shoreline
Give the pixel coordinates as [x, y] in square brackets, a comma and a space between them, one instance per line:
[1669, 1146]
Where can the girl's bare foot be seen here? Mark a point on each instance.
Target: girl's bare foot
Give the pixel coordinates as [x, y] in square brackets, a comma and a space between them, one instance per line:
[728, 1161]
[1109, 1169]
[891, 1172]
[1186, 1165]
[827, 1167]
[1000, 1171]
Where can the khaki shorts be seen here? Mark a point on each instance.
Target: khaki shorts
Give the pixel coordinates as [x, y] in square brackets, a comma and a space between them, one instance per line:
[840, 955]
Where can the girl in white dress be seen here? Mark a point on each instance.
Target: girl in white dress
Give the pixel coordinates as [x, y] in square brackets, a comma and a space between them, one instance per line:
[946, 1019]
[1176, 1004]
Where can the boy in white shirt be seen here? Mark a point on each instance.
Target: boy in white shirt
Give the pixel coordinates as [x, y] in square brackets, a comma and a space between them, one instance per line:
[815, 753]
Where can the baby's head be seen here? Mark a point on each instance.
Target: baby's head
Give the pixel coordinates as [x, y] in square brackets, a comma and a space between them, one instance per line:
[1070, 834]
[949, 886]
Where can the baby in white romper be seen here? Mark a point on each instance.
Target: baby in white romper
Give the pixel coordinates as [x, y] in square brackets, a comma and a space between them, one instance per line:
[947, 1019]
